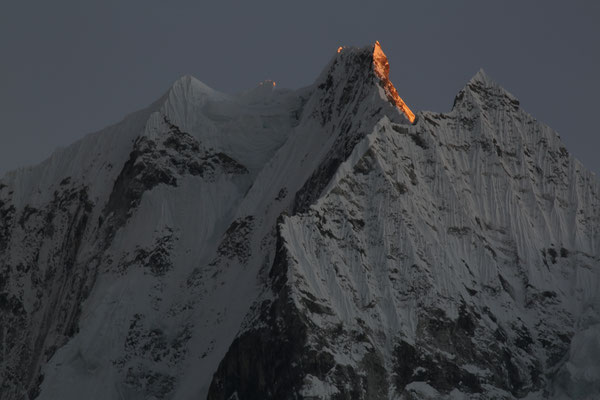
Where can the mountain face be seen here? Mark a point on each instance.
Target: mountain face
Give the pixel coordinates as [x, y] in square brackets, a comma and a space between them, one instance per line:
[312, 244]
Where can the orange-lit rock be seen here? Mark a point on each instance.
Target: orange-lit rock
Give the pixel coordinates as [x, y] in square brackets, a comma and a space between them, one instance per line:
[339, 49]
[382, 70]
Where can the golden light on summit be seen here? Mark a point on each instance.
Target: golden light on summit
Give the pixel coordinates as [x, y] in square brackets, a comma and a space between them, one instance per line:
[381, 67]
[339, 50]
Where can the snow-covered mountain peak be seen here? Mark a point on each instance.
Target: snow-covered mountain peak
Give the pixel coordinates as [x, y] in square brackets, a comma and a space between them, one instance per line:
[304, 243]
[247, 127]
[482, 92]
[188, 84]
[186, 95]
[483, 78]
[374, 68]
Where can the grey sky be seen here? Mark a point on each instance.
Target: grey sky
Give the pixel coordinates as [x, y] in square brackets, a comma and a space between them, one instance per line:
[72, 67]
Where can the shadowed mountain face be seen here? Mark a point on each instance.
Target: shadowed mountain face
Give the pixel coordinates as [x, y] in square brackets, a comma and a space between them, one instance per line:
[313, 244]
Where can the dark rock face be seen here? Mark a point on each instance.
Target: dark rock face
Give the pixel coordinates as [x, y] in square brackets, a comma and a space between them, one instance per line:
[162, 161]
[150, 347]
[235, 242]
[445, 348]
[269, 362]
[155, 259]
[35, 323]
[273, 361]
[7, 212]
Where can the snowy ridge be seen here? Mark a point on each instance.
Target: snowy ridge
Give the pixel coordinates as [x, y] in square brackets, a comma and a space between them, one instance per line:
[304, 244]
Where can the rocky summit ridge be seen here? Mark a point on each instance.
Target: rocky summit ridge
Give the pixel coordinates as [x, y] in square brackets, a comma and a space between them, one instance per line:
[320, 243]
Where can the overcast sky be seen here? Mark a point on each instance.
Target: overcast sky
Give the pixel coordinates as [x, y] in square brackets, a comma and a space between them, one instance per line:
[68, 68]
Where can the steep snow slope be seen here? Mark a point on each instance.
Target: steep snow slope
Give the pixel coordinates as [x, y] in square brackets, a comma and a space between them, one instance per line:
[309, 243]
[455, 258]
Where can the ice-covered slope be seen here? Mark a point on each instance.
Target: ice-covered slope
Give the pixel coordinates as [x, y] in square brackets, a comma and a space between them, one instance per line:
[303, 244]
